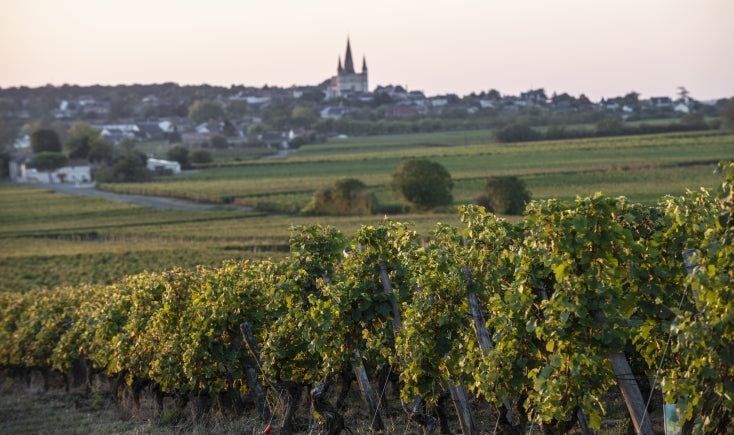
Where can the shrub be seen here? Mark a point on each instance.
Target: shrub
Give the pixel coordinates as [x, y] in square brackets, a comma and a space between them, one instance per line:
[517, 133]
[504, 195]
[128, 168]
[201, 156]
[347, 196]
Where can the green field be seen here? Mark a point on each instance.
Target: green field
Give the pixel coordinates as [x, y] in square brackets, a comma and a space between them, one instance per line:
[551, 168]
[57, 239]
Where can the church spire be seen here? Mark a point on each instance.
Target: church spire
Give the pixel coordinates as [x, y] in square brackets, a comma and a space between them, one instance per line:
[364, 64]
[348, 63]
[339, 67]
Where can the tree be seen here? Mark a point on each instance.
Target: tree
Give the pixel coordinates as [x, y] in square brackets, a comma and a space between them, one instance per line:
[422, 183]
[48, 161]
[180, 154]
[347, 196]
[206, 110]
[494, 94]
[237, 108]
[85, 142]
[303, 116]
[130, 167]
[727, 113]
[632, 99]
[504, 195]
[45, 139]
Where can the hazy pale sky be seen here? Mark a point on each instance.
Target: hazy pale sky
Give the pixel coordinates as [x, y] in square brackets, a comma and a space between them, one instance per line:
[603, 48]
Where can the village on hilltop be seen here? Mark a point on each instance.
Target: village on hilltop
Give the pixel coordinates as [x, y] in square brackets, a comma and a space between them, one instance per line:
[275, 117]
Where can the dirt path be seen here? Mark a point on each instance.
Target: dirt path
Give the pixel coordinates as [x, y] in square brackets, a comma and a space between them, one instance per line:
[150, 201]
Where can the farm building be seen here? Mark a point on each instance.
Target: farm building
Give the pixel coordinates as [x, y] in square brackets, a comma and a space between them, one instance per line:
[157, 165]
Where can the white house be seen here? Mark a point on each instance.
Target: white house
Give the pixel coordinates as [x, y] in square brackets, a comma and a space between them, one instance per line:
[681, 108]
[76, 172]
[157, 165]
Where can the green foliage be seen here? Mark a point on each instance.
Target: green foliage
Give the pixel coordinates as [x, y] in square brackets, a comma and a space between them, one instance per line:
[127, 168]
[218, 142]
[45, 140]
[48, 161]
[424, 184]
[504, 195]
[561, 289]
[201, 156]
[727, 113]
[701, 380]
[609, 126]
[85, 142]
[206, 110]
[347, 197]
[516, 133]
[180, 154]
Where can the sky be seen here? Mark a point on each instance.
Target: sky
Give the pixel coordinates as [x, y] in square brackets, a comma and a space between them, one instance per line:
[600, 48]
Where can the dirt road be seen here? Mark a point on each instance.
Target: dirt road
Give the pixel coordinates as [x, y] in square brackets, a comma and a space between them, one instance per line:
[150, 201]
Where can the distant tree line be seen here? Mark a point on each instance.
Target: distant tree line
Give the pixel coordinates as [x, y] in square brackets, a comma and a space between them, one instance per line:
[610, 126]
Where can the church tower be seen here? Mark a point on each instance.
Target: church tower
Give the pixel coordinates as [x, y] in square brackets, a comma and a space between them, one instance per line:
[347, 81]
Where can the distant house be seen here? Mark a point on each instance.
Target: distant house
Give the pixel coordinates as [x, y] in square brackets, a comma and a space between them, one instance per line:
[194, 137]
[275, 139]
[22, 142]
[162, 166]
[77, 171]
[116, 132]
[487, 104]
[150, 130]
[682, 108]
[334, 112]
[661, 102]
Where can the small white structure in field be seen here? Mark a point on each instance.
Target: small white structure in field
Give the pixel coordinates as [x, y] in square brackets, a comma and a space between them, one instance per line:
[157, 165]
[76, 172]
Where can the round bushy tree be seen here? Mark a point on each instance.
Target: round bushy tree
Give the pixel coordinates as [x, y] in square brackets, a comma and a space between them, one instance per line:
[504, 195]
[423, 184]
[180, 154]
[45, 139]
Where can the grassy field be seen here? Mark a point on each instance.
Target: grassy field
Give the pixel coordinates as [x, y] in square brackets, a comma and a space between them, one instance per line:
[53, 238]
[551, 168]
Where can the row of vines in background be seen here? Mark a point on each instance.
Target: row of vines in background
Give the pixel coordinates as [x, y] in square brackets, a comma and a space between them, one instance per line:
[561, 292]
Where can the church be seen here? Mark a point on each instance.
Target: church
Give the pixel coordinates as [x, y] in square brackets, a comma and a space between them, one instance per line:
[347, 81]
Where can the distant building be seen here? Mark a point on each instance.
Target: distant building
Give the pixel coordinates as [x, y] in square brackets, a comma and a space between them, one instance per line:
[75, 172]
[347, 81]
[160, 166]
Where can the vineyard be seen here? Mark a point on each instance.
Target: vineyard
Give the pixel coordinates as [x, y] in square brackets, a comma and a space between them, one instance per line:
[642, 168]
[534, 320]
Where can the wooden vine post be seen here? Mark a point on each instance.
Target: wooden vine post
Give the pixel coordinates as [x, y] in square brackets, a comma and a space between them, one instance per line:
[628, 386]
[485, 342]
[252, 380]
[414, 411]
[367, 394]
